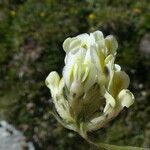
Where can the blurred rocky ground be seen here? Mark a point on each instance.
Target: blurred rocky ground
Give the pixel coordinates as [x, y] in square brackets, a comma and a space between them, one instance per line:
[145, 45]
[12, 139]
[31, 37]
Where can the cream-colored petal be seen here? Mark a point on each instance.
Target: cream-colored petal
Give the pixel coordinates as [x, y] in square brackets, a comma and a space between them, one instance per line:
[102, 120]
[70, 71]
[101, 47]
[91, 77]
[66, 44]
[86, 40]
[117, 67]
[74, 44]
[61, 103]
[109, 58]
[86, 72]
[111, 44]
[83, 37]
[62, 107]
[61, 85]
[76, 88]
[109, 69]
[126, 98]
[68, 75]
[87, 57]
[98, 35]
[75, 54]
[110, 102]
[97, 59]
[52, 81]
[119, 81]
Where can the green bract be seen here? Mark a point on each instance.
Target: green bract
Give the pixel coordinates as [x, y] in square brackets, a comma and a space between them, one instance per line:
[93, 89]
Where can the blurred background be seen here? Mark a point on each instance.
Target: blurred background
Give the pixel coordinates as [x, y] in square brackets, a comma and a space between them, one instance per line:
[31, 37]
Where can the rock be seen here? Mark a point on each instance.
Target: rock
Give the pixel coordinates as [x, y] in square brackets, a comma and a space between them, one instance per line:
[145, 45]
[12, 139]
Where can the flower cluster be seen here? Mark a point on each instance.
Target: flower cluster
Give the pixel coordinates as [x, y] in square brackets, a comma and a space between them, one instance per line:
[93, 89]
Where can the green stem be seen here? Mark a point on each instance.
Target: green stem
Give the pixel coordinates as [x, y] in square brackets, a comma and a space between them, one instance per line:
[103, 146]
[98, 146]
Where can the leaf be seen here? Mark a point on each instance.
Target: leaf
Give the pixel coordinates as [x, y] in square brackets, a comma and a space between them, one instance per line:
[115, 147]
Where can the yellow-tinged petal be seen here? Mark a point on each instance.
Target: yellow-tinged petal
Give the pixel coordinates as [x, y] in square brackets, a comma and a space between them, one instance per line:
[68, 74]
[76, 88]
[91, 77]
[75, 43]
[109, 58]
[98, 59]
[110, 102]
[86, 72]
[52, 81]
[66, 45]
[126, 98]
[119, 81]
[111, 44]
[85, 39]
[98, 35]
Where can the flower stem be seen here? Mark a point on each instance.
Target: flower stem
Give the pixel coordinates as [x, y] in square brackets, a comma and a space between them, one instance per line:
[103, 146]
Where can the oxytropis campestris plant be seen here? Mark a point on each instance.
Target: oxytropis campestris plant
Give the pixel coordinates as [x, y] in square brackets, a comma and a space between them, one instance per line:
[93, 89]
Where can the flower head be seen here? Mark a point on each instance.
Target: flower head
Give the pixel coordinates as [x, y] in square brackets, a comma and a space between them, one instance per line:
[93, 89]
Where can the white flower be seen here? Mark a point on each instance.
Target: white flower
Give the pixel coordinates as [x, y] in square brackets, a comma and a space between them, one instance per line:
[93, 89]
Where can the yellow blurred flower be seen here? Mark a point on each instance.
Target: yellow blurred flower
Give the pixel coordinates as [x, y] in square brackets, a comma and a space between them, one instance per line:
[137, 10]
[12, 13]
[91, 16]
[42, 14]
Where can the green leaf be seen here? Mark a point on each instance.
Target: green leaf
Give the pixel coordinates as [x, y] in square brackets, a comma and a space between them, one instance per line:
[115, 147]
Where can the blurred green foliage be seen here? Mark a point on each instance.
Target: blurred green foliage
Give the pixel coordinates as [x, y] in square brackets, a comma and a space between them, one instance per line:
[31, 37]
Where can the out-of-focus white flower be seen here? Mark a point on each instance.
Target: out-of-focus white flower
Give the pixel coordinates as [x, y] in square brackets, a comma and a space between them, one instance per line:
[93, 89]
